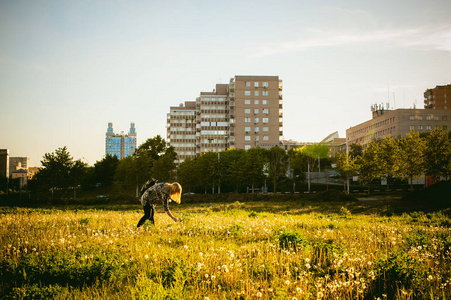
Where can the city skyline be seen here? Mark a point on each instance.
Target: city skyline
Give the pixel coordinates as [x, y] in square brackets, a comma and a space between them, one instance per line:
[67, 69]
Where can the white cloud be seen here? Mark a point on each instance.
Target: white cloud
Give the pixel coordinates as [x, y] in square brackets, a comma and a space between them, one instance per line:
[422, 38]
[33, 66]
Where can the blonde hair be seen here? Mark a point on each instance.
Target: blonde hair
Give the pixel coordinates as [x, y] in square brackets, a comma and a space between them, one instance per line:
[175, 192]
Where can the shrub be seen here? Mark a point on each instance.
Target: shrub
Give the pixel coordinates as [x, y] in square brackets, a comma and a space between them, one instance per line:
[289, 239]
[399, 270]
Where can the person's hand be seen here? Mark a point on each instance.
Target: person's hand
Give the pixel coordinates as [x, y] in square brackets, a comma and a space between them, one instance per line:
[175, 219]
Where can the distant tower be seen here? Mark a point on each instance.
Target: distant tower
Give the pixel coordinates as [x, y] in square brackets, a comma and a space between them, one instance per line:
[120, 145]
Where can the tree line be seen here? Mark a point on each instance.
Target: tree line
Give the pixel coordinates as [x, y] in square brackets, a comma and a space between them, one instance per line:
[405, 158]
[238, 170]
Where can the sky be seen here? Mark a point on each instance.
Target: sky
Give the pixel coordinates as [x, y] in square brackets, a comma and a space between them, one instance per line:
[67, 68]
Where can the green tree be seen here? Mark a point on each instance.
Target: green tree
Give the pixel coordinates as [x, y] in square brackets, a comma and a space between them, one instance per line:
[314, 153]
[59, 172]
[346, 167]
[368, 165]
[164, 168]
[148, 153]
[255, 162]
[105, 169]
[298, 161]
[278, 164]
[437, 154]
[387, 158]
[126, 173]
[231, 165]
[188, 174]
[410, 157]
[355, 150]
[145, 164]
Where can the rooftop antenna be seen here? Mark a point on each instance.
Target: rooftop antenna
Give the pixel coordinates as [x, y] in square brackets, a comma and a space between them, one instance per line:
[394, 101]
[388, 91]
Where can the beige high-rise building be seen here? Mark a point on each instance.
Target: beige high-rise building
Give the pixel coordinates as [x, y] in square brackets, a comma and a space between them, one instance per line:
[438, 97]
[243, 114]
[256, 111]
[397, 123]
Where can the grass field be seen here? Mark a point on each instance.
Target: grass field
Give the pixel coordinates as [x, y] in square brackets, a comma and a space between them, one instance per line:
[253, 250]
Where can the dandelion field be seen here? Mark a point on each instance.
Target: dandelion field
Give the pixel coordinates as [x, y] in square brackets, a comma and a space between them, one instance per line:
[224, 251]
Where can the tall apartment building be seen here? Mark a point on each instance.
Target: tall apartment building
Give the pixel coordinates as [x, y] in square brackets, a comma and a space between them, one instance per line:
[243, 114]
[121, 145]
[437, 98]
[181, 130]
[256, 115]
[18, 163]
[396, 123]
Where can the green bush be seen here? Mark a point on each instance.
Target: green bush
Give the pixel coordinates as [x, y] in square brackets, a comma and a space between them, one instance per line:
[399, 270]
[288, 239]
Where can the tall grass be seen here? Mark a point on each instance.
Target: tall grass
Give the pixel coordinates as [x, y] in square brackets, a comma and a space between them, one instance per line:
[223, 251]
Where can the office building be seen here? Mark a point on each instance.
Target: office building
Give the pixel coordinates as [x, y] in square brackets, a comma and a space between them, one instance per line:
[437, 98]
[4, 163]
[120, 145]
[18, 163]
[245, 113]
[397, 123]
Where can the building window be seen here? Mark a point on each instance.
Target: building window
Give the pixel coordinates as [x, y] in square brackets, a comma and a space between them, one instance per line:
[247, 129]
[264, 84]
[255, 93]
[265, 129]
[265, 138]
[256, 111]
[265, 93]
[266, 111]
[436, 118]
[256, 121]
[257, 138]
[247, 83]
[428, 117]
[412, 127]
[420, 117]
[247, 93]
[247, 138]
[412, 117]
[265, 102]
[247, 110]
[256, 102]
[247, 102]
[256, 129]
[247, 147]
[247, 120]
[428, 127]
[256, 84]
[444, 118]
[265, 120]
[420, 127]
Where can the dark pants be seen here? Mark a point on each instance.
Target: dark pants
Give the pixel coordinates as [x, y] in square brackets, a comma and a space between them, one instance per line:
[149, 211]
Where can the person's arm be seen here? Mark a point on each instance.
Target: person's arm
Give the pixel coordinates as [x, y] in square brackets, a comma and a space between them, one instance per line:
[172, 217]
[166, 207]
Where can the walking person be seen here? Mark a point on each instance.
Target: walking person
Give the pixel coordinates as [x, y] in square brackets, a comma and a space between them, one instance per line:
[164, 192]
